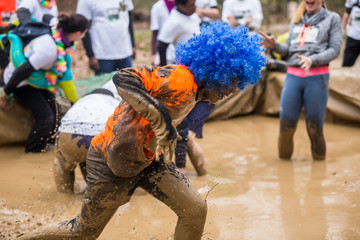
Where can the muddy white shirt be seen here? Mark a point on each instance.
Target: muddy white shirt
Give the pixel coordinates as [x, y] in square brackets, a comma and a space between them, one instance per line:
[159, 14]
[243, 9]
[89, 114]
[40, 57]
[109, 31]
[37, 11]
[179, 27]
[353, 24]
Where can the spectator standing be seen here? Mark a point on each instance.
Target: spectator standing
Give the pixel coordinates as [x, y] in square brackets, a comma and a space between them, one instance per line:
[160, 11]
[315, 38]
[110, 43]
[182, 23]
[243, 12]
[351, 22]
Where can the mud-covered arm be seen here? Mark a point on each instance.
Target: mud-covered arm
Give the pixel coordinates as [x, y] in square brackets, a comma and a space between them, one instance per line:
[133, 91]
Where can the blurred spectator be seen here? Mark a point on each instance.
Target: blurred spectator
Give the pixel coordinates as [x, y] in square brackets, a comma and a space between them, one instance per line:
[7, 11]
[160, 11]
[243, 12]
[351, 22]
[207, 10]
[37, 10]
[110, 42]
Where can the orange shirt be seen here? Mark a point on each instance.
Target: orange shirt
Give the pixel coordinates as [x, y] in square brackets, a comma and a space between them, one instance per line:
[124, 140]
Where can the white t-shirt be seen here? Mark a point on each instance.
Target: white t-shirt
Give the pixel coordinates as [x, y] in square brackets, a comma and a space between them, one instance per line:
[109, 31]
[179, 27]
[37, 11]
[243, 9]
[353, 24]
[40, 57]
[89, 114]
[159, 14]
[206, 4]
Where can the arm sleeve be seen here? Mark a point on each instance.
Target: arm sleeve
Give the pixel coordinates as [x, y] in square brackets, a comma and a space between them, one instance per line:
[87, 45]
[133, 91]
[131, 29]
[162, 47]
[19, 75]
[335, 41]
[23, 15]
[154, 34]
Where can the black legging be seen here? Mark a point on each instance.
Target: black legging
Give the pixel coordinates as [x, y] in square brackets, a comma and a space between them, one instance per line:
[42, 105]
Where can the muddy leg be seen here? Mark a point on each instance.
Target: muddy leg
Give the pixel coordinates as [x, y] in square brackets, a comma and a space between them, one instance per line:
[104, 194]
[64, 175]
[286, 141]
[171, 187]
[317, 139]
[196, 154]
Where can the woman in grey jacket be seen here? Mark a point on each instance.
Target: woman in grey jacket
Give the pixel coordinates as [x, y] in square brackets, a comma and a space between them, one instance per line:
[315, 38]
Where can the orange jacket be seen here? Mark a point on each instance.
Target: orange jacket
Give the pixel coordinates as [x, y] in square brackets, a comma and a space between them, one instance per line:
[154, 101]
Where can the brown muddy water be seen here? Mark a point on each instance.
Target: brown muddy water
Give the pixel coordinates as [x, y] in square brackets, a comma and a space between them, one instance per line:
[251, 194]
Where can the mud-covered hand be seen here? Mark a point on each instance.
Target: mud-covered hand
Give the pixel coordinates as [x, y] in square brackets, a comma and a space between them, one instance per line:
[165, 147]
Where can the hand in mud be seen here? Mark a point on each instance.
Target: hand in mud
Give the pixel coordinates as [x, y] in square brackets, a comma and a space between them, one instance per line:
[166, 150]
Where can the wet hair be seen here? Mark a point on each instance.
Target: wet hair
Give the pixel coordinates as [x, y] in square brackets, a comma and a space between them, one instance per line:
[73, 23]
[221, 57]
[300, 10]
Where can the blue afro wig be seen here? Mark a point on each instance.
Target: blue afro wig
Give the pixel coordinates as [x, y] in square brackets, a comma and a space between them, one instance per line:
[221, 56]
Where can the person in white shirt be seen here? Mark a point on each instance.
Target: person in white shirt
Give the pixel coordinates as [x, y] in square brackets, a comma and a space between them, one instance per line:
[110, 44]
[351, 22]
[182, 23]
[207, 10]
[85, 119]
[160, 11]
[243, 12]
[40, 11]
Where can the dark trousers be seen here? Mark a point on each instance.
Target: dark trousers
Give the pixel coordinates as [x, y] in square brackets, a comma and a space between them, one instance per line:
[108, 66]
[352, 51]
[42, 105]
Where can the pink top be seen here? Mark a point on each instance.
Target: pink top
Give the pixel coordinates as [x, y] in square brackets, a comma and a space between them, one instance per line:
[312, 71]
